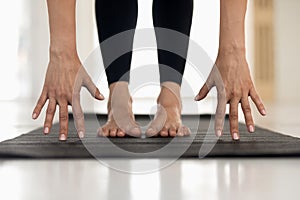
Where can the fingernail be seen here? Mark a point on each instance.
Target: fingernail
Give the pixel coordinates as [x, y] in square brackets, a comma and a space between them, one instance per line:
[196, 98]
[101, 96]
[251, 129]
[219, 133]
[62, 137]
[236, 136]
[264, 112]
[46, 130]
[34, 116]
[81, 134]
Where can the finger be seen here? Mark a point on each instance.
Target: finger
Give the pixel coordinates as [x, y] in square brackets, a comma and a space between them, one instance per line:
[220, 114]
[233, 118]
[256, 99]
[247, 113]
[78, 116]
[63, 121]
[203, 92]
[49, 115]
[40, 104]
[94, 91]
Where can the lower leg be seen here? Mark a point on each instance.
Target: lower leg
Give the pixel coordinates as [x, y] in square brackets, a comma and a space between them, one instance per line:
[172, 21]
[116, 22]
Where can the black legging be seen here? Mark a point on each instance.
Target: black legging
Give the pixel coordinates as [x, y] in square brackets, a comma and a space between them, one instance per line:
[116, 16]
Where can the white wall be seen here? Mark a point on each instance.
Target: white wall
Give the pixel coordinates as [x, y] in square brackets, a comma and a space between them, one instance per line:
[287, 49]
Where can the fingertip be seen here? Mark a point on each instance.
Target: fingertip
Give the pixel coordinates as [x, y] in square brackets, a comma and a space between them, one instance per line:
[251, 129]
[98, 95]
[264, 112]
[46, 130]
[34, 115]
[62, 137]
[236, 136]
[81, 134]
[219, 133]
[101, 97]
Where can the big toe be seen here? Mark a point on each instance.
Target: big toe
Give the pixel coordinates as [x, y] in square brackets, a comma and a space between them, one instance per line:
[134, 131]
[151, 132]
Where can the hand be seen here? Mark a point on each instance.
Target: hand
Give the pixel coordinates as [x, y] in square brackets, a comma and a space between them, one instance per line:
[64, 78]
[234, 85]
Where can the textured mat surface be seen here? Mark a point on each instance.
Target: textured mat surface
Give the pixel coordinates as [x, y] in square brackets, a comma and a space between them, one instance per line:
[202, 142]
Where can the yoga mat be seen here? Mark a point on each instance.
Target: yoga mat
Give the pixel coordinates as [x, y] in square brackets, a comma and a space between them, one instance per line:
[262, 143]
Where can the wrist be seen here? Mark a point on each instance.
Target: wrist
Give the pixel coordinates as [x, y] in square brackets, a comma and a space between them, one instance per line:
[236, 50]
[62, 52]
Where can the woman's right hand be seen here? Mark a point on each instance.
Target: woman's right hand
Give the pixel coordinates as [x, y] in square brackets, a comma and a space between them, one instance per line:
[64, 78]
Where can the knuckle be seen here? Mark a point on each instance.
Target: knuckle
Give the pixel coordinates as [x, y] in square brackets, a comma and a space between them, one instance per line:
[50, 111]
[63, 130]
[233, 116]
[219, 113]
[76, 95]
[222, 93]
[78, 115]
[61, 94]
[63, 117]
[261, 105]
[236, 93]
[247, 109]
[51, 92]
[249, 121]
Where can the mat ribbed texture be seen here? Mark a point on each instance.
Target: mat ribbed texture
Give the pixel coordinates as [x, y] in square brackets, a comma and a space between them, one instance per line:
[262, 143]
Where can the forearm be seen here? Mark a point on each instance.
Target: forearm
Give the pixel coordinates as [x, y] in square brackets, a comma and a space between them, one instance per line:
[232, 25]
[62, 27]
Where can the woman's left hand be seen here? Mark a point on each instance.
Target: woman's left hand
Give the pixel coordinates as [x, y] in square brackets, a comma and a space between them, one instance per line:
[234, 85]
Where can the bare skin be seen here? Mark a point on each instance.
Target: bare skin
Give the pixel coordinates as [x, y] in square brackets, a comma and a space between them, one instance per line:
[65, 77]
[231, 75]
[120, 116]
[167, 121]
[65, 74]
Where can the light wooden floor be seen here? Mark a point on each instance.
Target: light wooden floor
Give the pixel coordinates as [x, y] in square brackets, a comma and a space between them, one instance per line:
[184, 179]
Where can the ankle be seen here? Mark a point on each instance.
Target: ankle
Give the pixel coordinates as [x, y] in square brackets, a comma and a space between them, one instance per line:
[169, 95]
[119, 84]
[172, 86]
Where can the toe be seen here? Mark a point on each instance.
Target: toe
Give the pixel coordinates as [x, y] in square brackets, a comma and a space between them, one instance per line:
[180, 132]
[113, 132]
[120, 133]
[172, 131]
[186, 131]
[164, 132]
[135, 132]
[103, 131]
[100, 132]
[151, 132]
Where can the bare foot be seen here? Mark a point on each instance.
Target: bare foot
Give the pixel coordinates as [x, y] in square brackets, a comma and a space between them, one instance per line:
[120, 116]
[167, 121]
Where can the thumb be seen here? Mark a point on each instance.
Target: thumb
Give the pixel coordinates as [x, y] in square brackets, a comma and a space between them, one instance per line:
[94, 91]
[203, 92]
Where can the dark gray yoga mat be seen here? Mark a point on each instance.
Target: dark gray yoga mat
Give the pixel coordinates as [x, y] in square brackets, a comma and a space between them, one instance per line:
[262, 143]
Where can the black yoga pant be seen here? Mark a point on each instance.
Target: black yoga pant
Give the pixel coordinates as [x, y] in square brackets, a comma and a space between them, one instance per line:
[116, 16]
